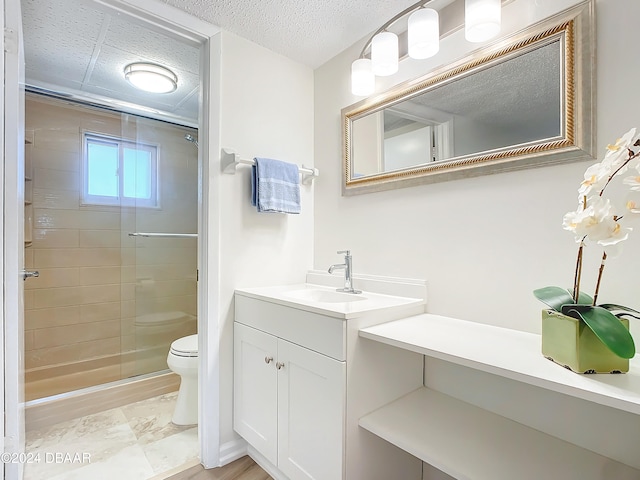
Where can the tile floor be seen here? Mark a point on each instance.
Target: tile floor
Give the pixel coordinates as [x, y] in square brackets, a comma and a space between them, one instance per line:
[133, 442]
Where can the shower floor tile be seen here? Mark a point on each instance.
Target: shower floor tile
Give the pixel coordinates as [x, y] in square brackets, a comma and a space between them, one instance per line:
[133, 442]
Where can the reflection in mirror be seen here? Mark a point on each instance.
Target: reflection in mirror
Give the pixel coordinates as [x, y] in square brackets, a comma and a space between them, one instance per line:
[508, 106]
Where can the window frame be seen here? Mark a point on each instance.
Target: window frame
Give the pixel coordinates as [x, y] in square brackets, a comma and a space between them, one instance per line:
[87, 199]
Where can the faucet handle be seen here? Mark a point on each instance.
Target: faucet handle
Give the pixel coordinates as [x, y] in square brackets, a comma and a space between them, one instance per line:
[346, 252]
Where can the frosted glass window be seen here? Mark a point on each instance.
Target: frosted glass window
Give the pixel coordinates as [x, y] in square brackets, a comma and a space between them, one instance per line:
[137, 173]
[102, 163]
[119, 172]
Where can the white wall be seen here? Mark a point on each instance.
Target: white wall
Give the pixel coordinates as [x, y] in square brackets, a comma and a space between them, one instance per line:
[482, 243]
[266, 107]
[485, 243]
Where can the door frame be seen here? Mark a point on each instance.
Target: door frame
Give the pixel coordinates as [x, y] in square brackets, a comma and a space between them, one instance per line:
[12, 147]
[182, 24]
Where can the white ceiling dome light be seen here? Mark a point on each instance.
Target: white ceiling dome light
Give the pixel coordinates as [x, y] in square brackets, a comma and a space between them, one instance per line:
[151, 77]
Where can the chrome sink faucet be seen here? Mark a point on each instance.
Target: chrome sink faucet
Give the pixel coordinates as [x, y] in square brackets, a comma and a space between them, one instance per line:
[347, 266]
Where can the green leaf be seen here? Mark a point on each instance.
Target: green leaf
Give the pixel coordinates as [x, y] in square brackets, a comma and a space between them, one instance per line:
[607, 327]
[584, 299]
[625, 310]
[555, 297]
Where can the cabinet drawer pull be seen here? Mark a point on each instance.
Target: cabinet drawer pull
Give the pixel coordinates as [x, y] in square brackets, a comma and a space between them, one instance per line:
[279, 365]
[268, 359]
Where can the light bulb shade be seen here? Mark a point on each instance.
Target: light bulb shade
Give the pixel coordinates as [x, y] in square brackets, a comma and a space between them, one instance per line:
[384, 54]
[482, 19]
[424, 33]
[363, 81]
[151, 78]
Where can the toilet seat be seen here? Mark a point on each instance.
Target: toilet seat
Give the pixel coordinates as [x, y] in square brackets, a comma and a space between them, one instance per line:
[185, 346]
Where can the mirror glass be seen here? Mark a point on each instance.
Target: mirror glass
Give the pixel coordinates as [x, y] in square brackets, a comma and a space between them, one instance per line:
[511, 106]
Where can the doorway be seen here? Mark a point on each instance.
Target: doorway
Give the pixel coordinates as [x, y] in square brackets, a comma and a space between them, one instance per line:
[162, 18]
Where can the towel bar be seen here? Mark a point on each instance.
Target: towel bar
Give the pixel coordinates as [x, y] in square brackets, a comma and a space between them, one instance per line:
[229, 160]
[164, 235]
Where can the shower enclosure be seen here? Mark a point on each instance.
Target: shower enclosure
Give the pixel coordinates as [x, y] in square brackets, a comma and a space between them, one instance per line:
[111, 225]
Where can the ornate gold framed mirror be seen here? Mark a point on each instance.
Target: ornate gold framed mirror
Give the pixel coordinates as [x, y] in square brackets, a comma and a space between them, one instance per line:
[523, 102]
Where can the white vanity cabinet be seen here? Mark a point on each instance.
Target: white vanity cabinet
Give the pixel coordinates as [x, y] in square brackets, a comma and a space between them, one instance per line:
[294, 402]
[288, 402]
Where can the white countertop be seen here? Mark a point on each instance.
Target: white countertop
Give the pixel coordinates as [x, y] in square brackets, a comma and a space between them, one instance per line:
[507, 353]
[295, 296]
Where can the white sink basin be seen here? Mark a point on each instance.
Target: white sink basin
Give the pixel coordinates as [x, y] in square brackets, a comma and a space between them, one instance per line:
[325, 296]
[327, 301]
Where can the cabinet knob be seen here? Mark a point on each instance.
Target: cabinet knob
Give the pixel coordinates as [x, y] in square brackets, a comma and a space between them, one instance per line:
[268, 359]
[279, 365]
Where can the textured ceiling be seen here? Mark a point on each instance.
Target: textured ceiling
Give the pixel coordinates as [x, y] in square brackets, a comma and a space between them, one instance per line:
[80, 47]
[73, 47]
[307, 31]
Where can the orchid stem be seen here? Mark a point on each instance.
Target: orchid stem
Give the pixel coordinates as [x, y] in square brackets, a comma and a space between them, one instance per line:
[578, 274]
[595, 295]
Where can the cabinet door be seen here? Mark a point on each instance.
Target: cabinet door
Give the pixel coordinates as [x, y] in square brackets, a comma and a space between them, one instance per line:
[255, 389]
[311, 409]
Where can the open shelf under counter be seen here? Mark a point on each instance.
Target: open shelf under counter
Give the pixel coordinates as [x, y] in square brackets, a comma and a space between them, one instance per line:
[469, 443]
[508, 353]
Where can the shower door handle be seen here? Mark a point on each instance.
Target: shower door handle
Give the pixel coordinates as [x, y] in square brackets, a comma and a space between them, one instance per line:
[30, 274]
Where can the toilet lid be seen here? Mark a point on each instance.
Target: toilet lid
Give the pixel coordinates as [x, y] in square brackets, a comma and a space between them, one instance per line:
[186, 346]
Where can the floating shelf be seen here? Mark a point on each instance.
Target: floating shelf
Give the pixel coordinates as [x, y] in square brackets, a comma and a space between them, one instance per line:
[508, 353]
[470, 443]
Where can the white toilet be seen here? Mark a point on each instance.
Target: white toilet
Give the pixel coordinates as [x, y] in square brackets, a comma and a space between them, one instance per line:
[183, 360]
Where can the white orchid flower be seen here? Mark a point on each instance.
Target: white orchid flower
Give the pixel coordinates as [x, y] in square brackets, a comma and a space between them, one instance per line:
[626, 141]
[633, 203]
[618, 153]
[595, 218]
[633, 182]
[595, 179]
[616, 235]
[597, 222]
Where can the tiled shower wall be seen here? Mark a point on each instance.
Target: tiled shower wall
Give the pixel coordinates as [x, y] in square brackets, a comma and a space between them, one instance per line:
[106, 306]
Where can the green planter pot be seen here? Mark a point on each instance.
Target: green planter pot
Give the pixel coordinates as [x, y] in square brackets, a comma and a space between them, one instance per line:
[572, 344]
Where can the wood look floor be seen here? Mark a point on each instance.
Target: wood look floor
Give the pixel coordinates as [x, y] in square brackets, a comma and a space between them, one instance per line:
[242, 469]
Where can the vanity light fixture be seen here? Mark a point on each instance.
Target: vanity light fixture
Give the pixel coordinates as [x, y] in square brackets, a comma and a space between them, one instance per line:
[151, 77]
[423, 33]
[363, 80]
[384, 54]
[482, 22]
[482, 19]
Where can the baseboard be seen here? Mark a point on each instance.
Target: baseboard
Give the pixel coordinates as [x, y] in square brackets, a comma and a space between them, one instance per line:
[265, 464]
[231, 451]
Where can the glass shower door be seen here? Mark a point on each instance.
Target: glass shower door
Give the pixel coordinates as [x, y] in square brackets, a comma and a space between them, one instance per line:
[160, 244]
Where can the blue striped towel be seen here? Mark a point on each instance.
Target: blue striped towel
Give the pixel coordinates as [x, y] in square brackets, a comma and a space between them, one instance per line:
[275, 186]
